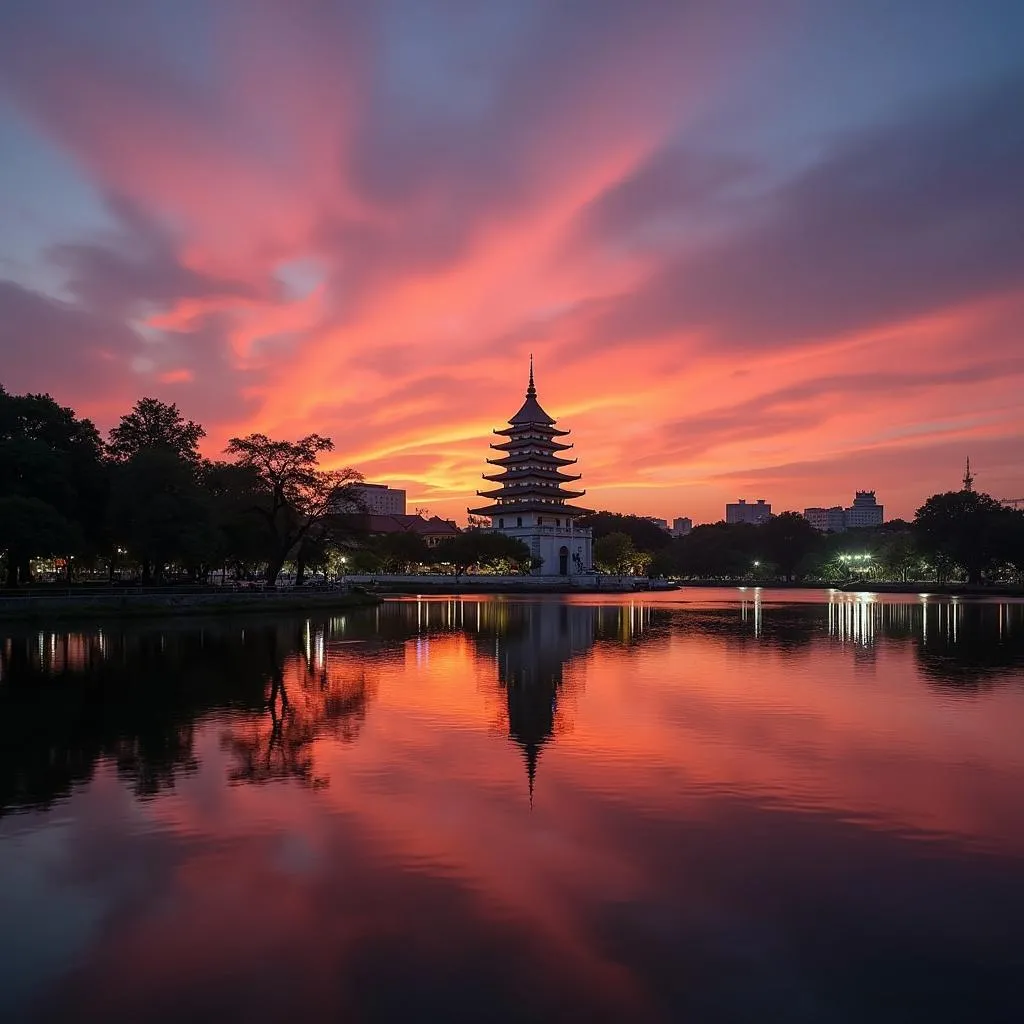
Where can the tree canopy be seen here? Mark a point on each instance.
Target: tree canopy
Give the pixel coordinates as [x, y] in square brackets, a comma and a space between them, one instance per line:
[152, 425]
[294, 493]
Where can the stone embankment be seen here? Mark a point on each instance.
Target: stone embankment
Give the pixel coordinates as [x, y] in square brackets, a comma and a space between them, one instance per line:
[54, 603]
[471, 583]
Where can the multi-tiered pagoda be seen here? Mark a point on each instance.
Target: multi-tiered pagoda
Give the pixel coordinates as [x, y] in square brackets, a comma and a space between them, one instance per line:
[531, 502]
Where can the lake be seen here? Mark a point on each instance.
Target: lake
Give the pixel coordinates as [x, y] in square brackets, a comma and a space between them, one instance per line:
[708, 805]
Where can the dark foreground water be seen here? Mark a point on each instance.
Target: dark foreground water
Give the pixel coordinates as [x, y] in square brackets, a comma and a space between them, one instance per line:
[707, 806]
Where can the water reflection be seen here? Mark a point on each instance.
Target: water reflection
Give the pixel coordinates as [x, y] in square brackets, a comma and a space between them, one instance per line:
[133, 696]
[717, 782]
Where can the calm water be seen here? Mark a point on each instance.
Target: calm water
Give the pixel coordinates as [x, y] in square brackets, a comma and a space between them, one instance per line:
[713, 805]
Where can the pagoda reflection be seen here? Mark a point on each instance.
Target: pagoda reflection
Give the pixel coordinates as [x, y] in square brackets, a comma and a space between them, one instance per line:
[534, 646]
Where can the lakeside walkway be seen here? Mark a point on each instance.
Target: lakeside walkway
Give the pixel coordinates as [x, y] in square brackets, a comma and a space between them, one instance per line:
[61, 602]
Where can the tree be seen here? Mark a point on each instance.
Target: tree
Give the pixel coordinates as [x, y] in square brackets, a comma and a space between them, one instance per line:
[161, 513]
[155, 424]
[614, 553]
[294, 493]
[964, 528]
[158, 507]
[645, 535]
[31, 528]
[49, 456]
[495, 551]
[230, 493]
[786, 540]
[398, 552]
[898, 555]
[714, 550]
[1011, 540]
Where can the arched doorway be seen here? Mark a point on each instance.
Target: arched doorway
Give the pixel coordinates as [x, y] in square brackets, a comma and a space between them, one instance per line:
[563, 561]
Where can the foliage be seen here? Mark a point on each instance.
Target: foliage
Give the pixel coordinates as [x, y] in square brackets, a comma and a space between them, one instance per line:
[159, 511]
[712, 551]
[495, 552]
[614, 552]
[50, 457]
[294, 493]
[30, 527]
[158, 508]
[967, 529]
[645, 535]
[153, 424]
[785, 541]
[399, 552]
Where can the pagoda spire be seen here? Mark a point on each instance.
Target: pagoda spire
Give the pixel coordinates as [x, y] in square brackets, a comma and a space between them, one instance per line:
[529, 475]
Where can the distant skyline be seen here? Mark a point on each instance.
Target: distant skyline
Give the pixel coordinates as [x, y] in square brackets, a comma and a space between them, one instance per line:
[759, 249]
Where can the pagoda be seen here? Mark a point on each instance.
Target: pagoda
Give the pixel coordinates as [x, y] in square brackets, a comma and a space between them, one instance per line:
[531, 501]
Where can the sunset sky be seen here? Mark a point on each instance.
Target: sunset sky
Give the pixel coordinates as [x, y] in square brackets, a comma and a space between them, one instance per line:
[765, 249]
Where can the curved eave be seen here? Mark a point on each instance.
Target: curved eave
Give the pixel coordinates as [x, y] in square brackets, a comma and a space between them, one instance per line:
[526, 493]
[530, 506]
[540, 428]
[512, 458]
[519, 441]
[527, 474]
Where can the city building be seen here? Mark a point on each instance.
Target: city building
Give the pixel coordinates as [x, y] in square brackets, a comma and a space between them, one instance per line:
[433, 530]
[379, 499]
[827, 520]
[865, 511]
[681, 526]
[662, 523]
[531, 502]
[741, 512]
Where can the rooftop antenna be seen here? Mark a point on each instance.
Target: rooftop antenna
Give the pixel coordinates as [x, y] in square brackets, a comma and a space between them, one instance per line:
[968, 479]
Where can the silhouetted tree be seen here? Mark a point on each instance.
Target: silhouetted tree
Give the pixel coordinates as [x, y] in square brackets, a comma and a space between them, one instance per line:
[964, 528]
[785, 541]
[485, 550]
[151, 425]
[49, 457]
[614, 552]
[645, 535]
[295, 494]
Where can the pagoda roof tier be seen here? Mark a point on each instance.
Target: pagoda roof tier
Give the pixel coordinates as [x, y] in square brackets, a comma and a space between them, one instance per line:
[522, 429]
[517, 455]
[520, 444]
[531, 473]
[540, 507]
[531, 490]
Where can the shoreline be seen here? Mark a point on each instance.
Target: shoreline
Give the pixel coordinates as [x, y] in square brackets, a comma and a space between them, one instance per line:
[36, 606]
[915, 588]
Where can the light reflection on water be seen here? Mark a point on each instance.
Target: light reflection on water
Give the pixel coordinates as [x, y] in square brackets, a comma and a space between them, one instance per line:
[718, 805]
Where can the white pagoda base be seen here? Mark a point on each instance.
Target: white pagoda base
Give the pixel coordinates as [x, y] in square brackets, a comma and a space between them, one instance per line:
[561, 550]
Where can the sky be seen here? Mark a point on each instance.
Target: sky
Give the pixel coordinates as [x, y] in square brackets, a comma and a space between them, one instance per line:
[758, 248]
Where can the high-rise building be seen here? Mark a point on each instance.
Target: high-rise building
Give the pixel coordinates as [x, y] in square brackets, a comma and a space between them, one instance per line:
[741, 512]
[662, 523]
[530, 502]
[827, 520]
[681, 526]
[865, 511]
[379, 499]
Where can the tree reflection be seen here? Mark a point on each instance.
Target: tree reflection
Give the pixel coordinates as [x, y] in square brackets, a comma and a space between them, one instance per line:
[134, 697]
[127, 697]
[970, 646]
[320, 690]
